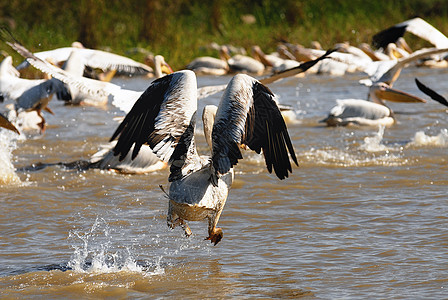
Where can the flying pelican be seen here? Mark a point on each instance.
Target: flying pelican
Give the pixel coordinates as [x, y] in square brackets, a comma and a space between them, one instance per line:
[416, 26]
[164, 118]
[75, 96]
[5, 123]
[420, 28]
[431, 93]
[366, 113]
[96, 59]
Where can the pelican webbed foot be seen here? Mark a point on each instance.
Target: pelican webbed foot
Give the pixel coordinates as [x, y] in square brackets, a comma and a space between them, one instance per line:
[215, 235]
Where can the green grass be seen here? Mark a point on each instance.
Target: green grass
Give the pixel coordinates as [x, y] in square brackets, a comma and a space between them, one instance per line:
[180, 29]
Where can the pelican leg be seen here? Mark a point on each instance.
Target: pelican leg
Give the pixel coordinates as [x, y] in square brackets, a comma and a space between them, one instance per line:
[215, 234]
[173, 220]
[42, 124]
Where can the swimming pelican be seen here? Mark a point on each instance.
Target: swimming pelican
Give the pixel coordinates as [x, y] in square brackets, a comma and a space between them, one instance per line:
[5, 123]
[374, 55]
[431, 93]
[274, 60]
[366, 113]
[209, 65]
[243, 63]
[164, 118]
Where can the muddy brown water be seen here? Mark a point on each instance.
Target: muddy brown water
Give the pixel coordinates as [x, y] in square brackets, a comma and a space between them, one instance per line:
[364, 216]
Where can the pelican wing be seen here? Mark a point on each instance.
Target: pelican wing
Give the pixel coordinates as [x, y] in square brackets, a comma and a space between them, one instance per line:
[431, 93]
[111, 61]
[248, 114]
[416, 26]
[391, 74]
[93, 58]
[162, 117]
[91, 87]
[298, 69]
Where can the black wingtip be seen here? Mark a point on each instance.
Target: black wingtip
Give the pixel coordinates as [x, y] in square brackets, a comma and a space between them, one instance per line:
[389, 35]
[431, 93]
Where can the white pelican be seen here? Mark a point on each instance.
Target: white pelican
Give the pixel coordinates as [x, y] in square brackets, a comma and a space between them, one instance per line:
[388, 71]
[27, 94]
[366, 113]
[243, 63]
[164, 117]
[274, 60]
[5, 123]
[416, 26]
[431, 93]
[76, 96]
[209, 65]
[420, 28]
[96, 59]
[145, 162]
[374, 55]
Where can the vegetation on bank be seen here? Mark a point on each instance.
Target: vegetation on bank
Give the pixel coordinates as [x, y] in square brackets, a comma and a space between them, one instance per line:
[180, 29]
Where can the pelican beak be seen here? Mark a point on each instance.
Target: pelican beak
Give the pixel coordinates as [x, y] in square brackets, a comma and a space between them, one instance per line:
[4, 122]
[166, 68]
[394, 95]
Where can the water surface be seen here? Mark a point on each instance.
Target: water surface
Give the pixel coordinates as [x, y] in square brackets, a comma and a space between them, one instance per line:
[364, 216]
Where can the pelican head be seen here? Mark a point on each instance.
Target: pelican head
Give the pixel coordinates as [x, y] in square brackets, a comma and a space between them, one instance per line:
[159, 64]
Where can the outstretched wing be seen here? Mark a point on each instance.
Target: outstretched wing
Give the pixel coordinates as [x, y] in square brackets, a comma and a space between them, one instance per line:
[248, 114]
[95, 88]
[416, 26]
[95, 59]
[160, 117]
[431, 93]
[303, 67]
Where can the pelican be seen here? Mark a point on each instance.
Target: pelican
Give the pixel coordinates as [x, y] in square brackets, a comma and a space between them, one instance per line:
[389, 71]
[164, 118]
[366, 113]
[76, 96]
[419, 28]
[416, 26]
[243, 63]
[374, 55]
[96, 59]
[209, 65]
[5, 123]
[27, 94]
[274, 60]
[431, 93]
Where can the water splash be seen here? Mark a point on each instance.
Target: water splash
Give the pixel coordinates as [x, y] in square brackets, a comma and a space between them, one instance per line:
[422, 140]
[372, 151]
[374, 143]
[8, 143]
[96, 254]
